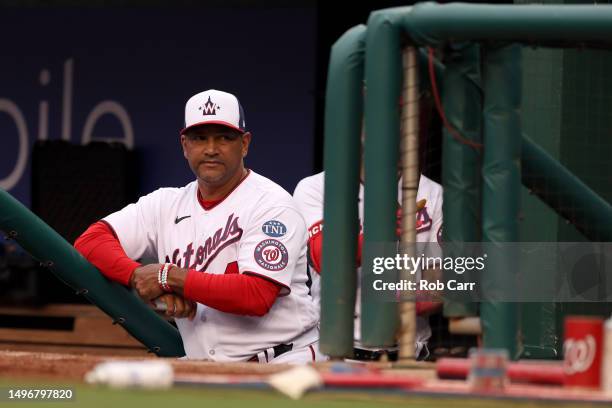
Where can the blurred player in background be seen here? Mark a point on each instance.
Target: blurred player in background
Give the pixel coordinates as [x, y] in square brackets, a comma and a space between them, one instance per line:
[309, 196]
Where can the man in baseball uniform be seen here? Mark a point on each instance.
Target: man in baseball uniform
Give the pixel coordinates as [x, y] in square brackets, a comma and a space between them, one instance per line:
[308, 195]
[231, 248]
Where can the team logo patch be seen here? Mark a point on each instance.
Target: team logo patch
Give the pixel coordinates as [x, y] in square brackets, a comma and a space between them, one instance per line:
[209, 108]
[274, 228]
[423, 220]
[271, 254]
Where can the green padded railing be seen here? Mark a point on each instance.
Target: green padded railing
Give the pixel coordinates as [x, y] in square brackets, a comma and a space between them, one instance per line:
[342, 151]
[46, 245]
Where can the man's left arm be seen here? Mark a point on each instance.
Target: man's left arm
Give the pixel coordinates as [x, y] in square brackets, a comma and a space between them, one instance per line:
[273, 244]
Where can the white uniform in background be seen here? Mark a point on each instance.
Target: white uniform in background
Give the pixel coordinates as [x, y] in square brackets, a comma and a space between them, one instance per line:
[308, 196]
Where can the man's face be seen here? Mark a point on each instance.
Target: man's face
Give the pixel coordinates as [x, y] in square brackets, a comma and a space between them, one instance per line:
[215, 152]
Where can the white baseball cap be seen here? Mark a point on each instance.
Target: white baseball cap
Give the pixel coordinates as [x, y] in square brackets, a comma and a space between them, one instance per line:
[214, 107]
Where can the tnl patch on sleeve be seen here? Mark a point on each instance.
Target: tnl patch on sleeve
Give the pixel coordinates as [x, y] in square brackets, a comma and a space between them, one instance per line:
[271, 254]
[274, 228]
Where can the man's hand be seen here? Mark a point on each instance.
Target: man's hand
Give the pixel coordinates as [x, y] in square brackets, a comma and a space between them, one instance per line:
[145, 281]
[178, 306]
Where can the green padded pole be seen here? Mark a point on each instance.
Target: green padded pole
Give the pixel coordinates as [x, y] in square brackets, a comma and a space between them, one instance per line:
[383, 72]
[462, 100]
[565, 193]
[434, 24]
[501, 190]
[343, 112]
[344, 89]
[548, 179]
[46, 245]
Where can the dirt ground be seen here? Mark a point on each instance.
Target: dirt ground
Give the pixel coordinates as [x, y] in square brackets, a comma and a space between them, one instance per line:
[73, 367]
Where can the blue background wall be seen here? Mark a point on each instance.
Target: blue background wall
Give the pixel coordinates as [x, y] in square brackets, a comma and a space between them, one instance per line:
[150, 61]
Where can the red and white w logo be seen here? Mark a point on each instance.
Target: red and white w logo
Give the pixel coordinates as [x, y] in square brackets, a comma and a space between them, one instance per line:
[209, 108]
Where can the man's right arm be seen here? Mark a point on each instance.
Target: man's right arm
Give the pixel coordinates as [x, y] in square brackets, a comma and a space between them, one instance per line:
[100, 246]
[113, 243]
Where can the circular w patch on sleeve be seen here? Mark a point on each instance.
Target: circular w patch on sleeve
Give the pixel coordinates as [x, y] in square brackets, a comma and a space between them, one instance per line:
[271, 254]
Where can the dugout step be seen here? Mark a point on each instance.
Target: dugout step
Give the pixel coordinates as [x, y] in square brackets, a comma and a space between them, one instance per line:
[62, 325]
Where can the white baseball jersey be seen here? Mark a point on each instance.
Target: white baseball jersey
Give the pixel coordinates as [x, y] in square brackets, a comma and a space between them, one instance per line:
[308, 196]
[256, 230]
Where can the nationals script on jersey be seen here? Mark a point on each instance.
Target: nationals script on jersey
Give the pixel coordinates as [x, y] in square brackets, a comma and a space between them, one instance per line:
[308, 197]
[256, 229]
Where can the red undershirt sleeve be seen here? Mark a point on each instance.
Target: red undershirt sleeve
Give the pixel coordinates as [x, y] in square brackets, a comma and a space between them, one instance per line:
[100, 246]
[315, 250]
[240, 294]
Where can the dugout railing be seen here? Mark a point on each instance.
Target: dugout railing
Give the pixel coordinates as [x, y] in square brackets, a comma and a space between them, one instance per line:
[60, 258]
